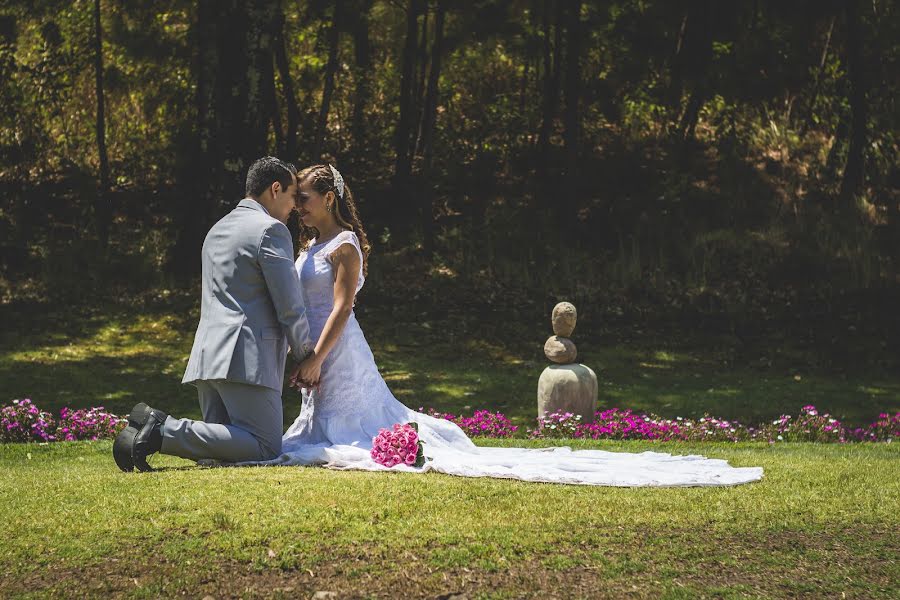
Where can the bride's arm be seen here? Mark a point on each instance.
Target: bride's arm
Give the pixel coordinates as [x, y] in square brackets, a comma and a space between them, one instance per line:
[346, 263]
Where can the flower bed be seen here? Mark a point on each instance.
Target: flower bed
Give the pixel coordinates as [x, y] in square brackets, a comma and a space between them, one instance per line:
[623, 424]
[22, 421]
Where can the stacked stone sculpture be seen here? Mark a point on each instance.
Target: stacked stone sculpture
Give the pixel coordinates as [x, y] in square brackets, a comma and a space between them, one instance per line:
[566, 386]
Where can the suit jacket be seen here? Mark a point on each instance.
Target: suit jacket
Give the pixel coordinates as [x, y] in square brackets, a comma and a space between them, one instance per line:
[252, 305]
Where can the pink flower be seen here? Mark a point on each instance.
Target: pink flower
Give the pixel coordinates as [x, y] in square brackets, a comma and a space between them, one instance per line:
[410, 459]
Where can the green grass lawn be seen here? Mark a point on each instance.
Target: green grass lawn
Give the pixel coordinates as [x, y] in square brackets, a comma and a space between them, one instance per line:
[823, 522]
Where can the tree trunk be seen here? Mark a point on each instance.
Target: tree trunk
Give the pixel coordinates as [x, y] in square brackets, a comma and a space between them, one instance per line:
[571, 119]
[419, 86]
[552, 70]
[402, 166]
[230, 99]
[260, 76]
[102, 209]
[196, 207]
[328, 87]
[854, 171]
[287, 88]
[817, 82]
[698, 51]
[429, 121]
[363, 77]
[676, 85]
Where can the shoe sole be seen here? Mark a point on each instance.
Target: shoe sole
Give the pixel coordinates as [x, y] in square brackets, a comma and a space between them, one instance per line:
[122, 449]
[138, 415]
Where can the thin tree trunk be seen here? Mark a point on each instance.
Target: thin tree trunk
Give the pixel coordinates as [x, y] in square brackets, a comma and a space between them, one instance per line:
[552, 57]
[196, 205]
[854, 171]
[429, 121]
[421, 78]
[699, 52]
[277, 125]
[817, 82]
[404, 125]
[287, 88]
[102, 208]
[572, 120]
[688, 124]
[363, 54]
[328, 87]
[676, 86]
[262, 18]
[523, 88]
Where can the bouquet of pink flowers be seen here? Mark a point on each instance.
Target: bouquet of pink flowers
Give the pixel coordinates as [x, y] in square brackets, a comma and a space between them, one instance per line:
[398, 446]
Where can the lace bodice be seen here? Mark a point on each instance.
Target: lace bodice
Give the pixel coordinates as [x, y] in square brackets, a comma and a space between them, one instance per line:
[317, 277]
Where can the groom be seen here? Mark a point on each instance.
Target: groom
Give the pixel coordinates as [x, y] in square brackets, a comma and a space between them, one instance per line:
[251, 302]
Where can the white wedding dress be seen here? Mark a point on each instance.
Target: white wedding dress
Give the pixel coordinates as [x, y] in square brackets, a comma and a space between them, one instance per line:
[338, 421]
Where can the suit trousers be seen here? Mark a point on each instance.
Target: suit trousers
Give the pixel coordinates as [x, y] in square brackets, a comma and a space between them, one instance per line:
[241, 422]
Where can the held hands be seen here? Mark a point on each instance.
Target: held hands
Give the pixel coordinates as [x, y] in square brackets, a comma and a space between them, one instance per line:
[307, 373]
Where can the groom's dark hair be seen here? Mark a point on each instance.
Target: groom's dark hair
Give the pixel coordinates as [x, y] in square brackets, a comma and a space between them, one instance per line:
[266, 171]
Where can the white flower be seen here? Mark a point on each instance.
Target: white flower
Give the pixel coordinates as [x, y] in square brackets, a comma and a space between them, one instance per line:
[780, 438]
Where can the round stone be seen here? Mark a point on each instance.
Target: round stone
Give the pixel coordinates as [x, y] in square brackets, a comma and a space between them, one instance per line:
[564, 318]
[560, 350]
[568, 388]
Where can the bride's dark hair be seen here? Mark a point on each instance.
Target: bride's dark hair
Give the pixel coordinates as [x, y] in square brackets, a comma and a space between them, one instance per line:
[322, 180]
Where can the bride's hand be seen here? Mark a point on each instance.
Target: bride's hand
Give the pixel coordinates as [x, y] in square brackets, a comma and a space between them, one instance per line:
[307, 373]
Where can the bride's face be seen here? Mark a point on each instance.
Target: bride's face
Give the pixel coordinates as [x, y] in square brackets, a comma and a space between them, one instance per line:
[313, 206]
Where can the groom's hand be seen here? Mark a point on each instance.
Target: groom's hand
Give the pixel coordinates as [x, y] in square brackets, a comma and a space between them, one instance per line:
[307, 373]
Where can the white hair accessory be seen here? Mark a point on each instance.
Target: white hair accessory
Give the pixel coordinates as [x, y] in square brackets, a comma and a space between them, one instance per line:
[338, 181]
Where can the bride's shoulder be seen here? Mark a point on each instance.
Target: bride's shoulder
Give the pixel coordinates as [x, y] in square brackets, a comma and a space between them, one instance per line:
[339, 246]
[347, 235]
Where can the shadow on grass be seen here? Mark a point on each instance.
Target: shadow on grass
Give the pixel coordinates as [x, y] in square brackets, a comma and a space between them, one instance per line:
[115, 355]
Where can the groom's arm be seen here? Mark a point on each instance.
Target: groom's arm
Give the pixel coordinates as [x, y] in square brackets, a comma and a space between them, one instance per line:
[276, 258]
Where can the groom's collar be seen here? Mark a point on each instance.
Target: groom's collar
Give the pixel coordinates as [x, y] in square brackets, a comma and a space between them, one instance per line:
[251, 203]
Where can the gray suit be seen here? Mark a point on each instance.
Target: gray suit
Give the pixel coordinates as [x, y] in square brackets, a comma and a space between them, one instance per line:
[251, 308]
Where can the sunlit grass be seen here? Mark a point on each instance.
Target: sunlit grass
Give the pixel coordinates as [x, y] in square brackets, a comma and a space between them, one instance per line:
[830, 511]
[822, 522]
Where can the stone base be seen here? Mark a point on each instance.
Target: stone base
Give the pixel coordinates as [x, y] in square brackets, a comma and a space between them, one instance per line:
[568, 388]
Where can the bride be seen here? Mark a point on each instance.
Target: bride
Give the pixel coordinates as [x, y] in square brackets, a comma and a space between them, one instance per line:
[351, 403]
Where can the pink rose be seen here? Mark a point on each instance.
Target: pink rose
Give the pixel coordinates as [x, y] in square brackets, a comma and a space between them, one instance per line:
[402, 440]
[410, 459]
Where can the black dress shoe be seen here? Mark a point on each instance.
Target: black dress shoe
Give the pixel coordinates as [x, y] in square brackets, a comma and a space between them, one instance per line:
[138, 415]
[123, 449]
[148, 438]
